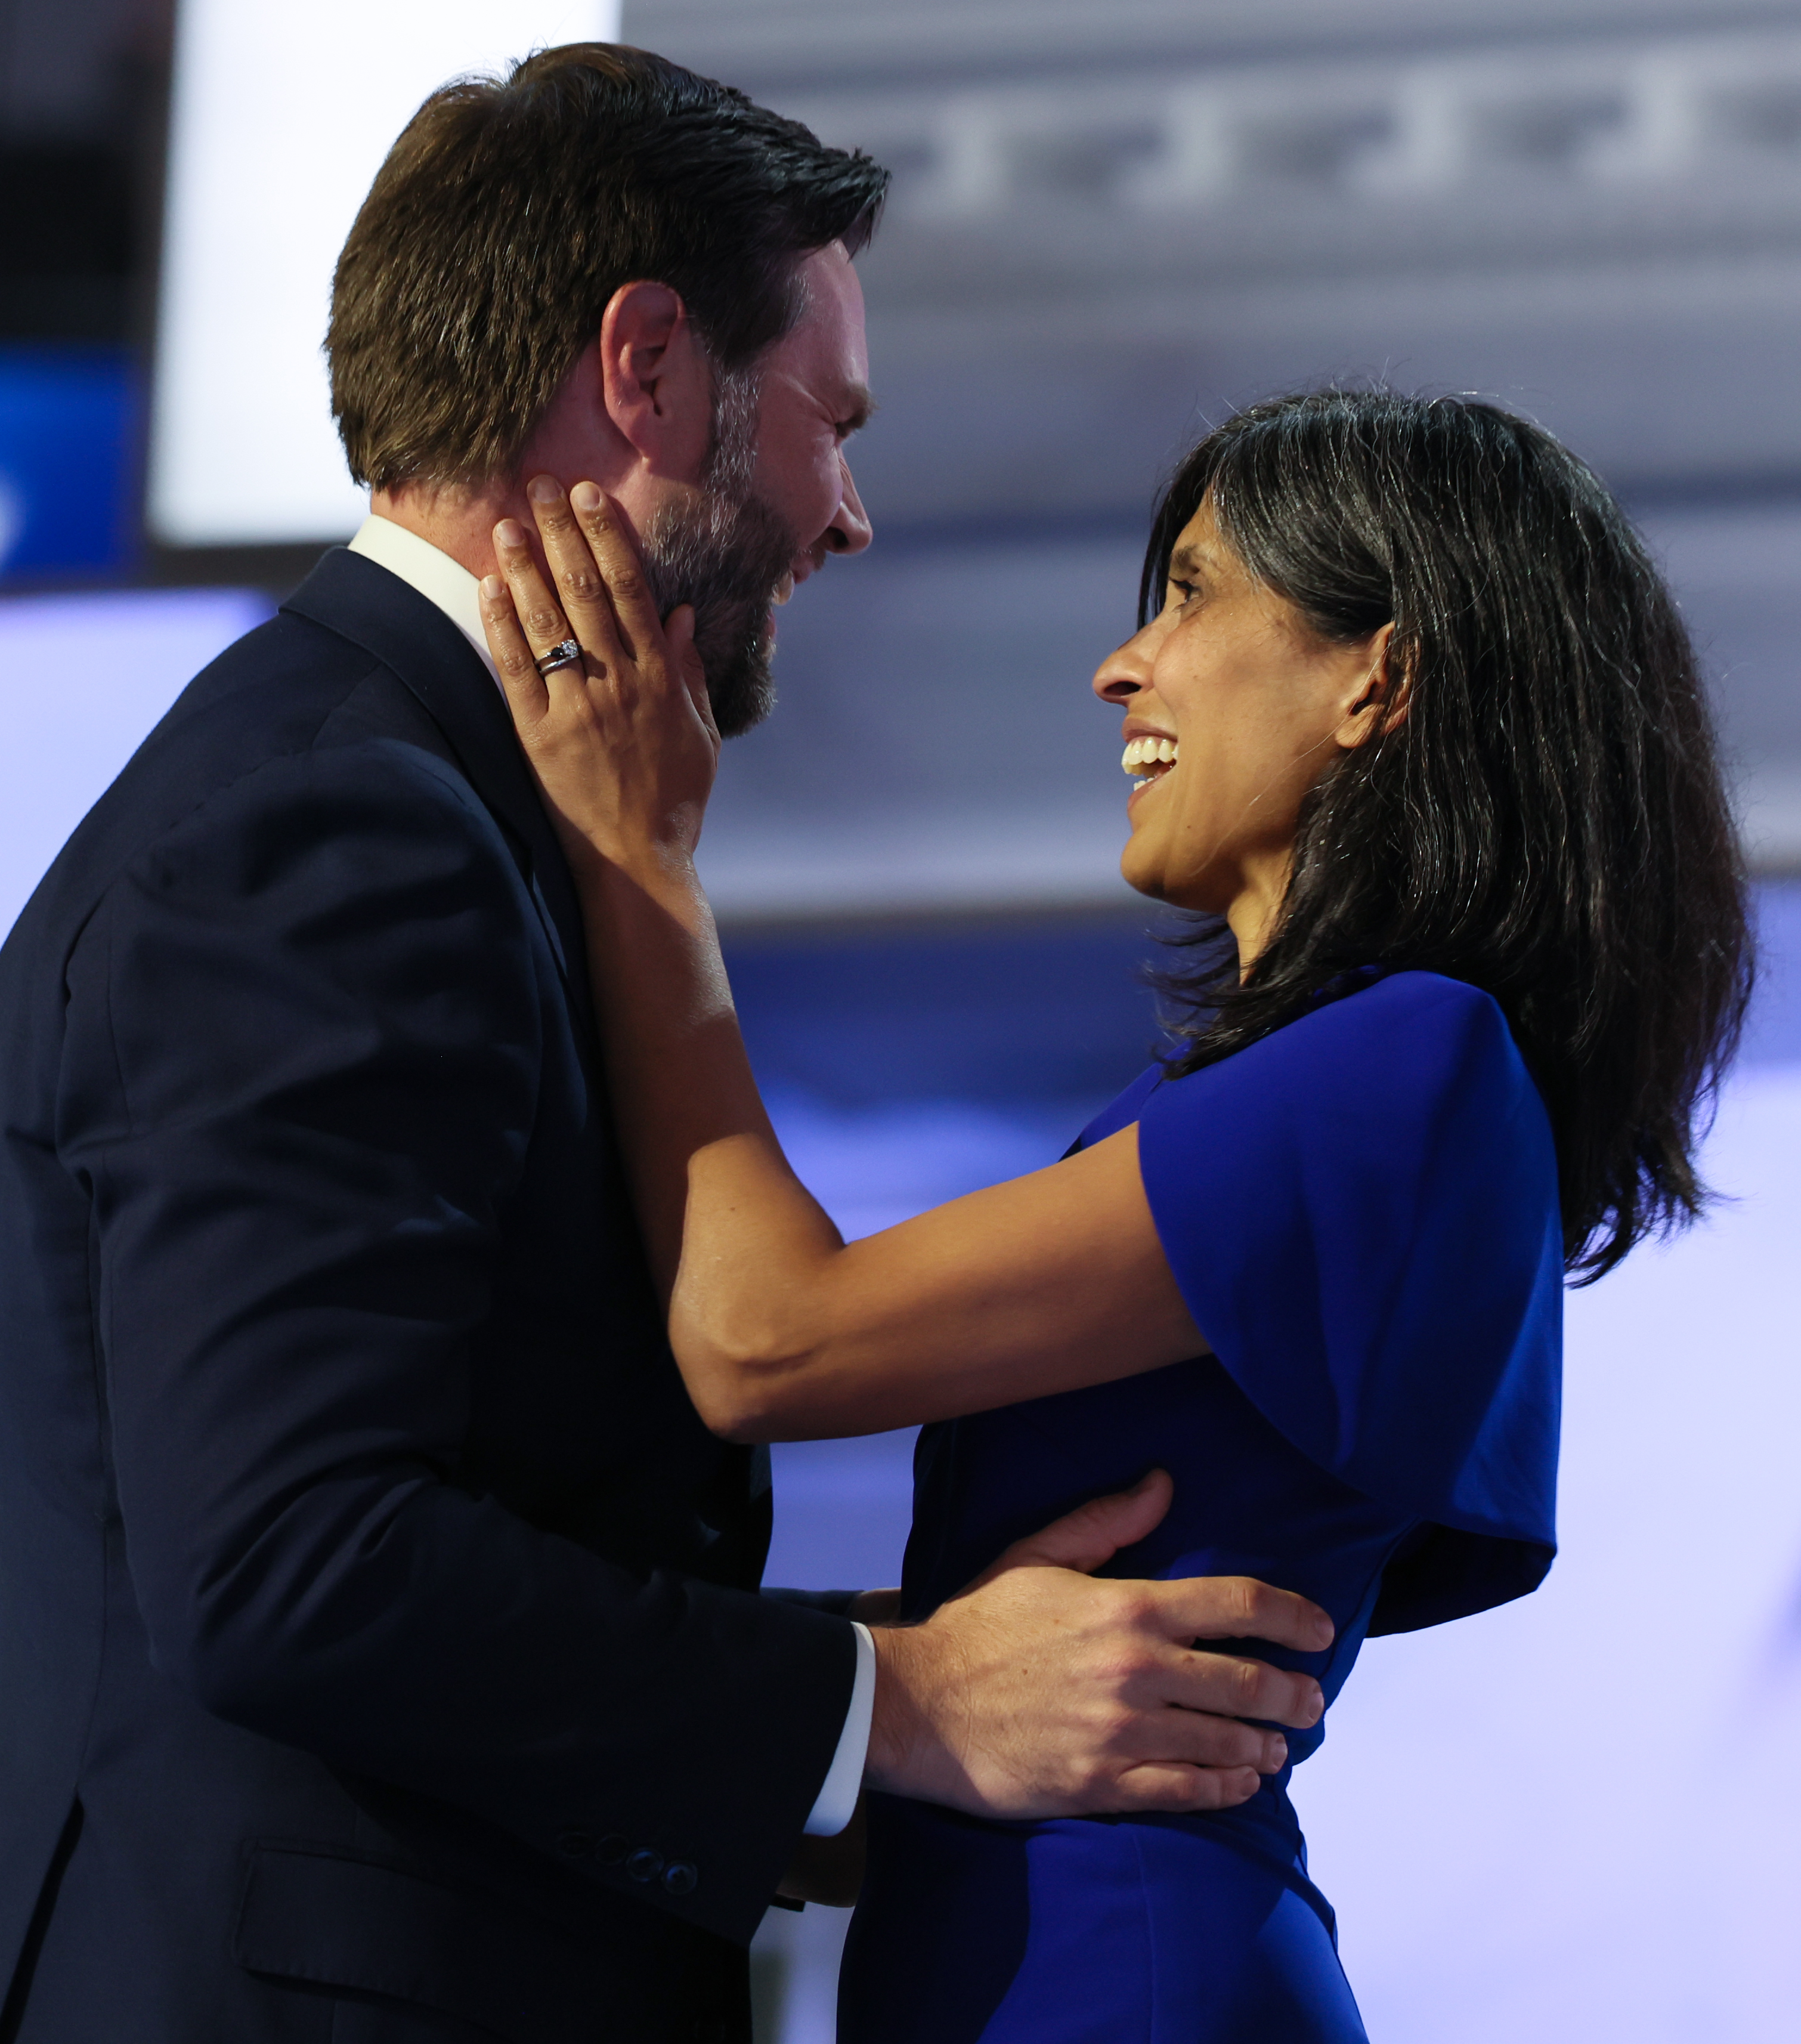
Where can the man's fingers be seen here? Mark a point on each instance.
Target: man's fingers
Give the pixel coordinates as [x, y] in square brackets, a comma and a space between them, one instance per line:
[1094, 1533]
[1198, 1739]
[1240, 1607]
[1157, 1786]
[1229, 1686]
[519, 674]
[1044, 1693]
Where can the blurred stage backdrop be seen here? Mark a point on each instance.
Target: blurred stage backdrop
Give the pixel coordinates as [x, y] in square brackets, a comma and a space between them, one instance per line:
[1572, 1819]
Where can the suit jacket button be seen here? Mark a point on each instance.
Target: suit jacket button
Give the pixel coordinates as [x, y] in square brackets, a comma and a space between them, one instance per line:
[644, 1864]
[614, 1850]
[681, 1876]
[574, 1845]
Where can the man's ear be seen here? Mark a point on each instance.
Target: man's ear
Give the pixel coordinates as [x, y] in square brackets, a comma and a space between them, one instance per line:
[1384, 696]
[656, 383]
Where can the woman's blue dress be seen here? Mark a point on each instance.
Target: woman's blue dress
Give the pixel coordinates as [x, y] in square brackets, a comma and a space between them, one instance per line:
[1361, 1211]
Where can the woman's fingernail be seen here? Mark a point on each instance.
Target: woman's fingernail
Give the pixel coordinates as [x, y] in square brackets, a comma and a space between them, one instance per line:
[544, 490]
[491, 586]
[585, 497]
[509, 532]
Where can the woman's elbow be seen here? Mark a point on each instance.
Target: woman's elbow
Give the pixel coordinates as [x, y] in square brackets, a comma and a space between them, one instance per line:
[746, 1424]
[745, 1393]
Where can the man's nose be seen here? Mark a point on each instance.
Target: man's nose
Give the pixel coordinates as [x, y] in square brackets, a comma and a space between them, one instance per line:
[850, 531]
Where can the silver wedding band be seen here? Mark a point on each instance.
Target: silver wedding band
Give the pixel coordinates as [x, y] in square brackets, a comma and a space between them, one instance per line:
[563, 655]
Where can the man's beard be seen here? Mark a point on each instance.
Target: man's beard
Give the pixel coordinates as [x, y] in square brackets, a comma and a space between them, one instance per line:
[721, 548]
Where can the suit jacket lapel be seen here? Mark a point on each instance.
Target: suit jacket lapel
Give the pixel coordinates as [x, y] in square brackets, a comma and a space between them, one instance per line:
[365, 603]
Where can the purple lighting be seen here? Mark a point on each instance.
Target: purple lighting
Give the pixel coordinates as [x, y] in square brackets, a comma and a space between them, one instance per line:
[82, 679]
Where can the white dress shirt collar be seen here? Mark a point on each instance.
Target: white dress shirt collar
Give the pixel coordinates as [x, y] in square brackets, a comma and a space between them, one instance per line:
[430, 571]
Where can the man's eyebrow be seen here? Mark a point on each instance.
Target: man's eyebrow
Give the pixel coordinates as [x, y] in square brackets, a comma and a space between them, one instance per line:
[857, 409]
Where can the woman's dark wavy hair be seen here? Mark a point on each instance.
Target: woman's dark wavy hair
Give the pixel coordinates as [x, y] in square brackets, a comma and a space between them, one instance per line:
[1547, 822]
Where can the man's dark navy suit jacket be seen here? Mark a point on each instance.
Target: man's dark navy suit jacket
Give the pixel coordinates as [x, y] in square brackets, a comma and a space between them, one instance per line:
[376, 1657]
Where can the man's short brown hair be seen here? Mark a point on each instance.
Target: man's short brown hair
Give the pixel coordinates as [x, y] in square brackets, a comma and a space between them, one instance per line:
[509, 211]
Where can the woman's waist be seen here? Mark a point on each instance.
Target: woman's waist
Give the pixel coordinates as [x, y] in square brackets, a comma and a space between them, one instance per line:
[1264, 1830]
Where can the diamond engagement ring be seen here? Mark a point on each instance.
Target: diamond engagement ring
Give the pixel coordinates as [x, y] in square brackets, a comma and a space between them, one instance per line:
[564, 655]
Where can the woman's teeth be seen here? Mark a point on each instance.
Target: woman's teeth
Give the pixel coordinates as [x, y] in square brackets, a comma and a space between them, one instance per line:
[1145, 757]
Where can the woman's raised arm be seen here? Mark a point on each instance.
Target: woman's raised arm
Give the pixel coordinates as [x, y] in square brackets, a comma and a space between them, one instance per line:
[782, 1330]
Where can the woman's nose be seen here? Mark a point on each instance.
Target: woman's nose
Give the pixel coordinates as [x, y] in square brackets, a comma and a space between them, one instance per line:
[1126, 671]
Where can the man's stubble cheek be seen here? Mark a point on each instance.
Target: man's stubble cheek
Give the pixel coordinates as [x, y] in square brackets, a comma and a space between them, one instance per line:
[725, 559]
[748, 547]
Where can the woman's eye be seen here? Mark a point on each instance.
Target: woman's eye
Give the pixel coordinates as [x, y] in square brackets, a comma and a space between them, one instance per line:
[1181, 593]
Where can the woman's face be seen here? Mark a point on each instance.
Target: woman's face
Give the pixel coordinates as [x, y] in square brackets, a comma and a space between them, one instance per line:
[1235, 707]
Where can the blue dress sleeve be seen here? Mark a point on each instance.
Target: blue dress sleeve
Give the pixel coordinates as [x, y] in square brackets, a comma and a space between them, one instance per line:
[1361, 1211]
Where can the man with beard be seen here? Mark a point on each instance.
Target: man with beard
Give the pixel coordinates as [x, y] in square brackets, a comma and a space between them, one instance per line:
[384, 1660]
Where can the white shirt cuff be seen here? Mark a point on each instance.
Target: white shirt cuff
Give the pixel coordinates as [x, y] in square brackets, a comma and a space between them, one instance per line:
[837, 1802]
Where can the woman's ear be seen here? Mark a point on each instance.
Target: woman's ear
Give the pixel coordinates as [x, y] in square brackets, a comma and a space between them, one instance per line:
[1383, 696]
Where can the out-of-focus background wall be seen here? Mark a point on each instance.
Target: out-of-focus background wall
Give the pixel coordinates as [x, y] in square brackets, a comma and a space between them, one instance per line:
[1111, 224]
[1575, 1818]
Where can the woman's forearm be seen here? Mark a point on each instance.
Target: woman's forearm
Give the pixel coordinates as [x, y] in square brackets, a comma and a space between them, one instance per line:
[1044, 1284]
[740, 1249]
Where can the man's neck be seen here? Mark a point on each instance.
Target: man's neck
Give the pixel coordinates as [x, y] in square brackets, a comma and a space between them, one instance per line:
[461, 522]
[458, 522]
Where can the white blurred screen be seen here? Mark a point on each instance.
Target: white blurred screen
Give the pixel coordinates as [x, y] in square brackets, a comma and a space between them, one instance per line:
[281, 116]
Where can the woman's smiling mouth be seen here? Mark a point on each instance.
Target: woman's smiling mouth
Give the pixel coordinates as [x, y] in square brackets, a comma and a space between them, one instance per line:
[1148, 759]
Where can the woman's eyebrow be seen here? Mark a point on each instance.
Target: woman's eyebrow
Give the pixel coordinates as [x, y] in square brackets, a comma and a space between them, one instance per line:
[1184, 564]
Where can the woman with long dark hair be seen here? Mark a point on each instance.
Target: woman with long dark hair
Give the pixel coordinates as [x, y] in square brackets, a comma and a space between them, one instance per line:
[1418, 736]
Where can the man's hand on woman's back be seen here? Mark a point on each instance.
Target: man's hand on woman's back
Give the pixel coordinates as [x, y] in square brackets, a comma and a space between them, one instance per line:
[1042, 1690]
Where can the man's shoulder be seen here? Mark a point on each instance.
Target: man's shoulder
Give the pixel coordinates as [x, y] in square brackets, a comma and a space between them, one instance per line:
[353, 655]
[293, 690]
[289, 689]
[291, 685]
